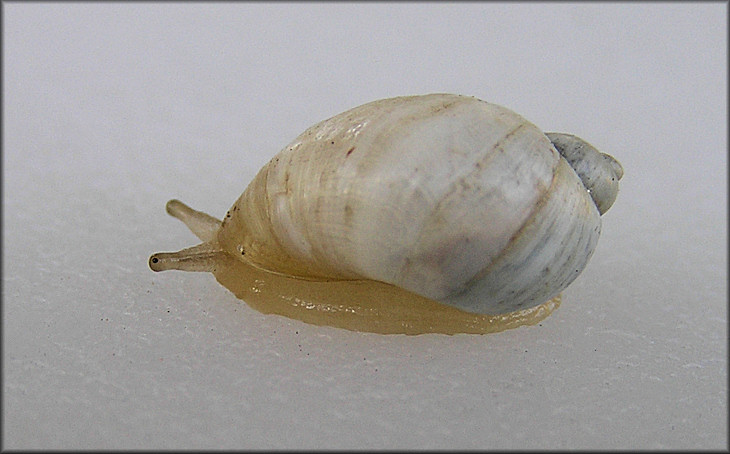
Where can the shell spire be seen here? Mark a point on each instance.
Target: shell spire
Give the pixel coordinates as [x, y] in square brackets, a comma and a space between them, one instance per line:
[599, 172]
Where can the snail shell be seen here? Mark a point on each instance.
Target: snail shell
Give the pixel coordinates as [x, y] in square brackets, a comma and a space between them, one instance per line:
[449, 197]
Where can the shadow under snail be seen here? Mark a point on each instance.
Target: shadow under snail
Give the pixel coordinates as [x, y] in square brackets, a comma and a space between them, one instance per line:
[433, 213]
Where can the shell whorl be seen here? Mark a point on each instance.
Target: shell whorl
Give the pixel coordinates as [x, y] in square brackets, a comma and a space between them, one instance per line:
[599, 172]
[450, 197]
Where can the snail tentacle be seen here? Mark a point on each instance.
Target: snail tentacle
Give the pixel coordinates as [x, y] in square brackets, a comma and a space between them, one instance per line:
[203, 225]
[202, 257]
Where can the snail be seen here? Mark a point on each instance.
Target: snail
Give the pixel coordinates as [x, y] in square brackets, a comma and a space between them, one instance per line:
[430, 213]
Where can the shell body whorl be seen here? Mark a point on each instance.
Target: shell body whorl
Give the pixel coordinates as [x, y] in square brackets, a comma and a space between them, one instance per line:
[452, 198]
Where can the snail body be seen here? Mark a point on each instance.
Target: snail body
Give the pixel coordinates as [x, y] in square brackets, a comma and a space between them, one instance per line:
[447, 197]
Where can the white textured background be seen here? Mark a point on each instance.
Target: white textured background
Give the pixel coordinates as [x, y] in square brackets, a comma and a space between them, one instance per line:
[111, 109]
